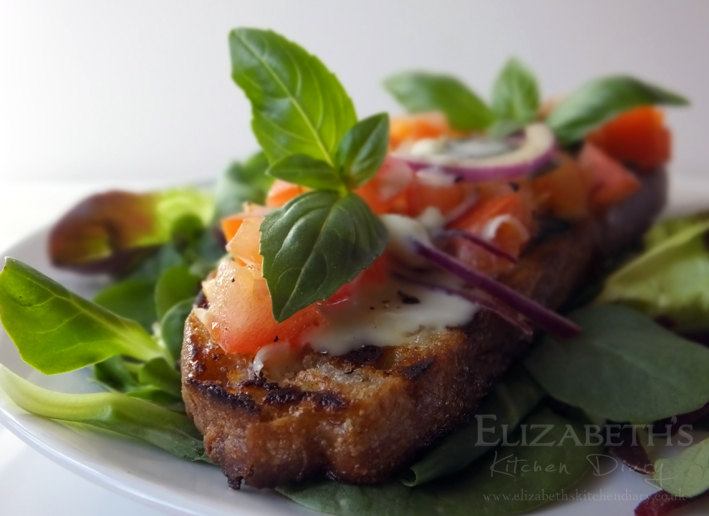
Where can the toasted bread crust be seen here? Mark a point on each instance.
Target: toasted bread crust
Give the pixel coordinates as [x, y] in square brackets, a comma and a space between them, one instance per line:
[363, 416]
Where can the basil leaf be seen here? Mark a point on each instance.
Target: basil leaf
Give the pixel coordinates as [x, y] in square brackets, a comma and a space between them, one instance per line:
[306, 171]
[314, 244]
[662, 375]
[298, 105]
[602, 99]
[421, 91]
[363, 149]
[501, 411]
[57, 331]
[515, 95]
[671, 278]
[514, 479]
[118, 413]
[686, 474]
[242, 183]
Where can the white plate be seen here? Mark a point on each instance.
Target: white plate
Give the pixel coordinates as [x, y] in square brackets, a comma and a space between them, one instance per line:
[159, 480]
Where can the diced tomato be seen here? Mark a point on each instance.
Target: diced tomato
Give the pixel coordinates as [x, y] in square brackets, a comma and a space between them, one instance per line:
[386, 191]
[437, 191]
[507, 218]
[281, 192]
[611, 182]
[244, 247]
[638, 137]
[239, 317]
[417, 127]
[564, 191]
[230, 225]
[377, 273]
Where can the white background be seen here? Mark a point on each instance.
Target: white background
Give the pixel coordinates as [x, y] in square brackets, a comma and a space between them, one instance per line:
[130, 93]
[132, 89]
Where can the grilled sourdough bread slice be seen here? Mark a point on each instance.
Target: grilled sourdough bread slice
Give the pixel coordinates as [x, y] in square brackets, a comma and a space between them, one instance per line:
[361, 417]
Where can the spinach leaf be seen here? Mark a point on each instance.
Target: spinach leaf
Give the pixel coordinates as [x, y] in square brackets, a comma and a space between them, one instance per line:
[114, 374]
[420, 91]
[363, 149]
[131, 298]
[510, 480]
[602, 99]
[306, 171]
[174, 285]
[314, 244]
[662, 374]
[118, 413]
[57, 331]
[502, 411]
[298, 105]
[242, 182]
[686, 474]
[515, 95]
[172, 327]
[671, 278]
[161, 374]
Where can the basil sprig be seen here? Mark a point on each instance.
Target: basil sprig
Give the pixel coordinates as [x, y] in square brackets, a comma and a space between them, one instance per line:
[421, 91]
[308, 129]
[515, 101]
[600, 100]
[515, 94]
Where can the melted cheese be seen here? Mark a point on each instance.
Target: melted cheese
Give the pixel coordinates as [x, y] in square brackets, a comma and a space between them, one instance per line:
[391, 315]
[399, 312]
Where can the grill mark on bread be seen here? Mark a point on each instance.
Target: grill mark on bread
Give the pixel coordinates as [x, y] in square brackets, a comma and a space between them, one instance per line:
[413, 371]
[284, 396]
[366, 355]
[241, 400]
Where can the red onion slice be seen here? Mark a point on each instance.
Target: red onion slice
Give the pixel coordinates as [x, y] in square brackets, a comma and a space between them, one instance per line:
[541, 316]
[489, 304]
[661, 503]
[536, 151]
[480, 242]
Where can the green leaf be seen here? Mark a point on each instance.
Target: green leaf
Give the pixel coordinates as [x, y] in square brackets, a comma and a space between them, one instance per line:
[113, 374]
[502, 411]
[363, 149]
[57, 331]
[686, 474]
[493, 486]
[242, 182]
[661, 374]
[174, 285]
[306, 171]
[314, 244]
[515, 95]
[118, 413]
[172, 327]
[420, 91]
[298, 105]
[602, 99]
[162, 375]
[671, 278]
[131, 298]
